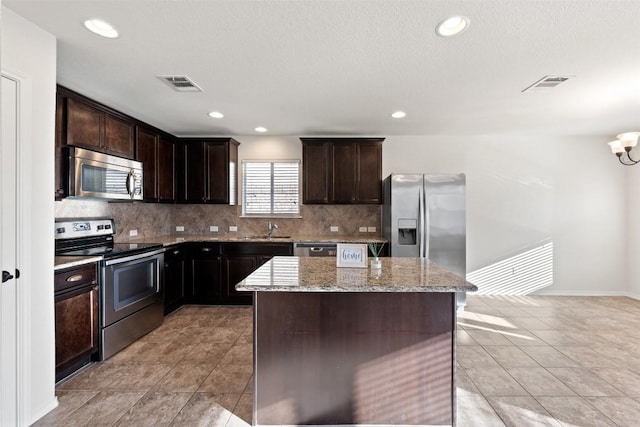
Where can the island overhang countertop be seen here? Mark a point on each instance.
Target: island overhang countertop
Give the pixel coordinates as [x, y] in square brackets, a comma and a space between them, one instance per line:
[311, 274]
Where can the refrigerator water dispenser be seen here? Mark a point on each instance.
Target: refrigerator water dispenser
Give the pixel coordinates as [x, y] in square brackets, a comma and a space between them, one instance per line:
[407, 231]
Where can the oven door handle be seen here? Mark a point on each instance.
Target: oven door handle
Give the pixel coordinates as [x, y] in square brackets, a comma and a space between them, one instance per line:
[133, 257]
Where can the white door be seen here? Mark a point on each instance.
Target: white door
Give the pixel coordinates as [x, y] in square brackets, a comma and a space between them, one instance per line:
[8, 249]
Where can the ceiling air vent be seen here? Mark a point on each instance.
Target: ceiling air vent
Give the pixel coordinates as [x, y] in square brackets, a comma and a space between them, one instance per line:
[181, 83]
[546, 83]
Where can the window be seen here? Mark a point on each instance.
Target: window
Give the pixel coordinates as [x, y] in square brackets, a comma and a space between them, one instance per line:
[271, 188]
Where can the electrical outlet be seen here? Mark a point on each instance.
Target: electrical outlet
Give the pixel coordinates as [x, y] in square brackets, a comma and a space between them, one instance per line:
[233, 228]
[362, 229]
[333, 228]
[213, 228]
[133, 233]
[179, 227]
[371, 229]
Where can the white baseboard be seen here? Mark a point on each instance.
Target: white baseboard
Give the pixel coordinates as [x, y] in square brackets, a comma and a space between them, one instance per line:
[53, 404]
[588, 294]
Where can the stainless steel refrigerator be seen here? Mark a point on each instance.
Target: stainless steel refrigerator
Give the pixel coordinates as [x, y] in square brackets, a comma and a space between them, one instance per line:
[424, 216]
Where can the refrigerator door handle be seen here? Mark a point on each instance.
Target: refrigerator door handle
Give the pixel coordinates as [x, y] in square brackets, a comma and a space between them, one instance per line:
[427, 224]
[421, 224]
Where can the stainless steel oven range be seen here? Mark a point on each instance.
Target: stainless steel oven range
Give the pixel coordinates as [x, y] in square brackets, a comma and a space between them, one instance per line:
[130, 279]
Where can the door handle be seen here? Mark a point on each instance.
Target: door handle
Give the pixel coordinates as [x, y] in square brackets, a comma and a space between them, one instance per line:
[6, 276]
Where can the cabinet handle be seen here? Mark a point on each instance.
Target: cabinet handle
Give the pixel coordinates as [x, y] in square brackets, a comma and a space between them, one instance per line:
[74, 278]
[206, 249]
[166, 265]
[176, 252]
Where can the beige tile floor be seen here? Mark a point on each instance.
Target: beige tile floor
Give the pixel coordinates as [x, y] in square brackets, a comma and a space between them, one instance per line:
[521, 361]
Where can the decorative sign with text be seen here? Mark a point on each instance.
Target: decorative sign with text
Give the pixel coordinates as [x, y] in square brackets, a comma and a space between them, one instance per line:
[351, 255]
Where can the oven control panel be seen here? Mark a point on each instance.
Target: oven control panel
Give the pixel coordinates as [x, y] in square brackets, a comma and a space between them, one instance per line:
[69, 228]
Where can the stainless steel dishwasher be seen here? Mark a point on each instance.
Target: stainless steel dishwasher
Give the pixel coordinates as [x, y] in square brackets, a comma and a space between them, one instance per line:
[315, 249]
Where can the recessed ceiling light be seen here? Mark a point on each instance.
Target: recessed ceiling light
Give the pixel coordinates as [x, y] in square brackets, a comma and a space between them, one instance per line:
[101, 28]
[398, 114]
[216, 115]
[260, 129]
[452, 26]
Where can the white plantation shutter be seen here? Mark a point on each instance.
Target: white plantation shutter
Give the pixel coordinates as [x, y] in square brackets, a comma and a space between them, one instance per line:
[271, 188]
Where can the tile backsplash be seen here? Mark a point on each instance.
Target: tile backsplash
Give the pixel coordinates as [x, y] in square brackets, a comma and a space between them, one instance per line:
[149, 219]
[152, 219]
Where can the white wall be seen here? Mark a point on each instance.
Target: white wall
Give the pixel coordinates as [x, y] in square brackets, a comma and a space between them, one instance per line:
[30, 53]
[522, 191]
[633, 228]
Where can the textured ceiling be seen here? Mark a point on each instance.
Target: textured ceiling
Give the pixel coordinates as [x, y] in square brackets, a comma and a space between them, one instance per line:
[342, 67]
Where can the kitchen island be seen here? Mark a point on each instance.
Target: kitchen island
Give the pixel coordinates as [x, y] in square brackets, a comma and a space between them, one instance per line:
[335, 346]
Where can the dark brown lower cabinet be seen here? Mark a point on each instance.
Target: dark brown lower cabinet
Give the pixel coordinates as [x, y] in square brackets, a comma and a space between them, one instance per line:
[205, 274]
[174, 278]
[242, 259]
[76, 318]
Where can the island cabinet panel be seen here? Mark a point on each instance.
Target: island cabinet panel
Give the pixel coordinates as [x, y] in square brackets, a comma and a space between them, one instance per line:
[342, 170]
[207, 170]
[76, 318]
[354, 358]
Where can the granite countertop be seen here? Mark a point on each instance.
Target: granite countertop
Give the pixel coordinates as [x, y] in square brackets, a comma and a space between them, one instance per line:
[174, 239]
[311, 274]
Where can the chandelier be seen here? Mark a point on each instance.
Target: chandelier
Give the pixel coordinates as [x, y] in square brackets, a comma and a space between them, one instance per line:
[622, 146]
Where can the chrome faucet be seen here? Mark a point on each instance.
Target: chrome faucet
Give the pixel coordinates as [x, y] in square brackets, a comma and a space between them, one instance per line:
[270, 228]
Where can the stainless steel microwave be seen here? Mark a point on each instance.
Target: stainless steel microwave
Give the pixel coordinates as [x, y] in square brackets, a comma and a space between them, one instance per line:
[102, 176]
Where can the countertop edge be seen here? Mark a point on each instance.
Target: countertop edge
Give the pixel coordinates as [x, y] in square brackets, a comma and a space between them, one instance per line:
[62, 263]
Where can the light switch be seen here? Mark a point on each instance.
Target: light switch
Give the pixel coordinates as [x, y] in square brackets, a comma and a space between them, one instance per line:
[213, 228]
[233, 228]
[179, 227]
[362, 229]
[333, 228]
[371, 229]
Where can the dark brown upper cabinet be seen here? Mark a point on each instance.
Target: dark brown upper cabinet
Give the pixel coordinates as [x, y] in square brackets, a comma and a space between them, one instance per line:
[207, 170]
[157, 154]
[95, 129]
[342, 170]
[85, 123]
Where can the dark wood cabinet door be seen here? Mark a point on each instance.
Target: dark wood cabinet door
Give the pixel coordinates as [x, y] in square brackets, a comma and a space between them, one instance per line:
[316, 169]
[342, 170]
[369, 173]
[146, 152]
[166, 170]
[118, 136]
[218, 177]
[76, 325]
[174, 279]
[76, 318]
[344, 173]
[85, 125]
[206, 275]
[193, 185]
[237, 268]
